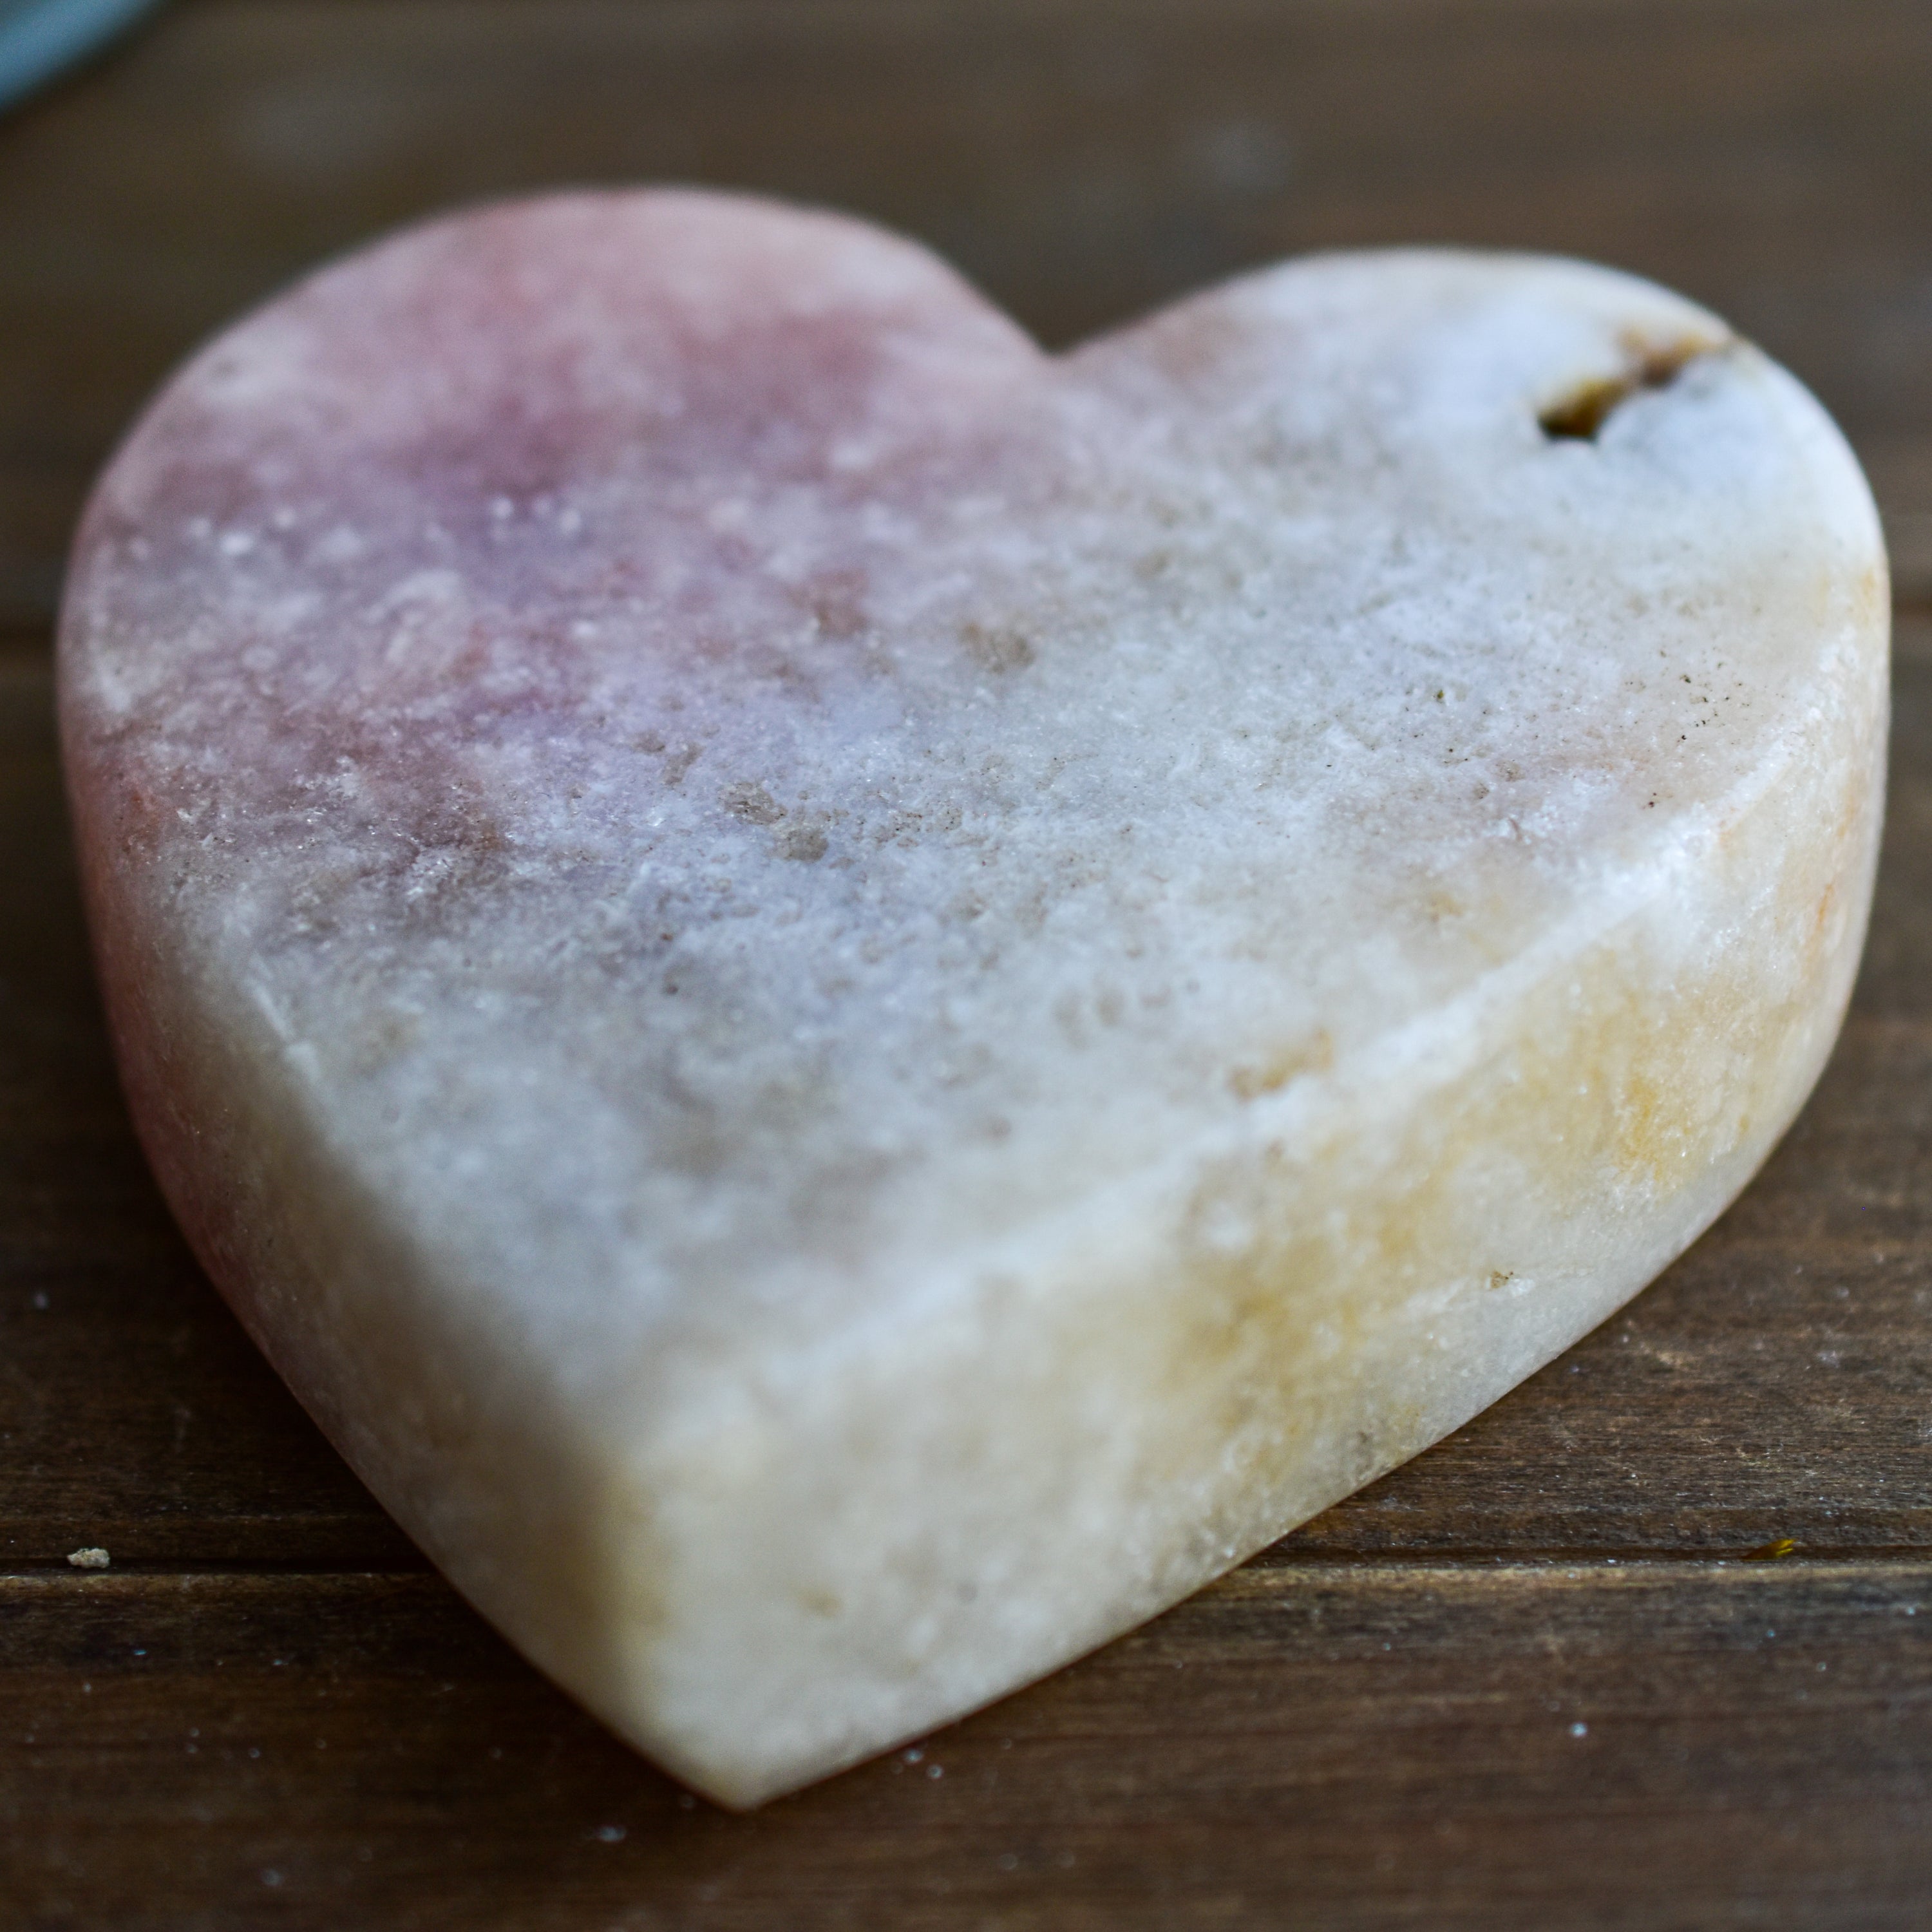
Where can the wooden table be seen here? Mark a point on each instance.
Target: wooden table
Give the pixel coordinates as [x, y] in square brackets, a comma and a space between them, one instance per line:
[1535, 1679]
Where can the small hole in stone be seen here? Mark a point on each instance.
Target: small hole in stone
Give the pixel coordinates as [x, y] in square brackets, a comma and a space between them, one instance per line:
[1578, 416]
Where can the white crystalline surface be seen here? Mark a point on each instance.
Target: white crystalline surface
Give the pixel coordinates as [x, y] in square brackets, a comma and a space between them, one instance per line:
[852, 1002]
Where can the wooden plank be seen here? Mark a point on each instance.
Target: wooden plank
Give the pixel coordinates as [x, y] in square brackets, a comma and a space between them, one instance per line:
[1776, 1382]
[1655, 1747]
[1083, 159]
[1899, 466]
[133, 1413]
[1896, 977]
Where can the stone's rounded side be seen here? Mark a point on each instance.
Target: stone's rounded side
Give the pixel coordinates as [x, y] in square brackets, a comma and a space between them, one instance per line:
[1213, 1354]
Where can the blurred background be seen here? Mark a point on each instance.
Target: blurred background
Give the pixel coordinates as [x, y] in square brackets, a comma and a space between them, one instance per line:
[1080, 159]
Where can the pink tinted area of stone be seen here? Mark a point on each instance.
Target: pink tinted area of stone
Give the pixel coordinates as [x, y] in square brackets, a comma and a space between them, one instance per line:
[848, 1000]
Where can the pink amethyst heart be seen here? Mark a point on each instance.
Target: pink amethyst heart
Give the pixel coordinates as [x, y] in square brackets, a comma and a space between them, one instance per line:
[851, 1002]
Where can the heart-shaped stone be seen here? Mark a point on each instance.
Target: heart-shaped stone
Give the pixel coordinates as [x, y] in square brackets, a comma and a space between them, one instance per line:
[851, 1002]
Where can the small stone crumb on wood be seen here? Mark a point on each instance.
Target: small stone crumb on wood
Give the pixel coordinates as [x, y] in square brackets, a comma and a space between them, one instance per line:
[88, 1559]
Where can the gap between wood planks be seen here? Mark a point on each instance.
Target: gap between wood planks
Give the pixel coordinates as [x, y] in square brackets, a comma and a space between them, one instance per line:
[1901, 1583]
[1798, 1561]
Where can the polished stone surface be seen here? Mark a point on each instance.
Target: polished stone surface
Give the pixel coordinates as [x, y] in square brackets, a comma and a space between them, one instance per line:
[852, 1002]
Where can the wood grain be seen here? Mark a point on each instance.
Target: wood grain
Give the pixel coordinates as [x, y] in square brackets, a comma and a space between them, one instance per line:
[1338, 1746]
[269, 1711]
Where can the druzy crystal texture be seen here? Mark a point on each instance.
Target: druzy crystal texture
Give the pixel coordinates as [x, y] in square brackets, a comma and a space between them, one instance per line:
[852, 1002]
